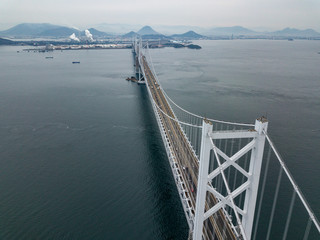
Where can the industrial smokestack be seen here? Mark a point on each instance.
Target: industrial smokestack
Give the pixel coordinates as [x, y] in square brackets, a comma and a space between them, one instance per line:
[88, 35]
[74, 38]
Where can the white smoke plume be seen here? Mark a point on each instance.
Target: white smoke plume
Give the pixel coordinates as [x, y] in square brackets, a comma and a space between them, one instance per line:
[88, 35]
[74, 38]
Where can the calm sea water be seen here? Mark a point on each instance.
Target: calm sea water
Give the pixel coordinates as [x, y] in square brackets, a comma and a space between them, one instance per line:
[81, 155]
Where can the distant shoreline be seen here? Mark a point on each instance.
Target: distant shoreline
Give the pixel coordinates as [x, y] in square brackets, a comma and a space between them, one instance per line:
[45, 46]
[121, 44]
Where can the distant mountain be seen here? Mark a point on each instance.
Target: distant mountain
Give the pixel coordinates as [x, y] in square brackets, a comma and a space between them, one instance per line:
[147, 30]
[293, 32]
[188, 35]
[126, 28]
[146, 33]
[179, 29]
[59, 32]
[236, 30]
[116, 29]
[47, 30]
[38, 30]
[28, 29]
[155, 37]
[131, 34]
[33, 30]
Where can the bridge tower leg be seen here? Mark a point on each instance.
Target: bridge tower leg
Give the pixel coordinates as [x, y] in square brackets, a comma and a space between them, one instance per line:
[261, 126]
[202, 180]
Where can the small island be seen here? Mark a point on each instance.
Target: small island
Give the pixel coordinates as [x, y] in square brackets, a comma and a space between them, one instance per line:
[193, 46]
[181, 45]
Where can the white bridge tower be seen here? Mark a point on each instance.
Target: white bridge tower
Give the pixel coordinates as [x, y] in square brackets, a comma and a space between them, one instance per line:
[244, 216]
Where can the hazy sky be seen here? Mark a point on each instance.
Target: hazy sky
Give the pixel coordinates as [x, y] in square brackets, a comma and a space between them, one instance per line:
[273, 14]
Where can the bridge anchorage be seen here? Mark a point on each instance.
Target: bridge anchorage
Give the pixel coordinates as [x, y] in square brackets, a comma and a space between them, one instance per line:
[229, 175]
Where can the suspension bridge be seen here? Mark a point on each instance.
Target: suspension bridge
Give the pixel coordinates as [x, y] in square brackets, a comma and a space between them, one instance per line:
[217, 167]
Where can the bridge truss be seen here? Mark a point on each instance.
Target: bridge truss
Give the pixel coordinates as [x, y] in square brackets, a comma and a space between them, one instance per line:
[217, 167]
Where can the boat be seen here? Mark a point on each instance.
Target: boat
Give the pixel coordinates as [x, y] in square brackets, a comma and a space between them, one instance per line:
[49, 57]
[132, 79]
[75, 62]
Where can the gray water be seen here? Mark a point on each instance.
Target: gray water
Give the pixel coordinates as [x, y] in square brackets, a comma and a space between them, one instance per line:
[81, 155]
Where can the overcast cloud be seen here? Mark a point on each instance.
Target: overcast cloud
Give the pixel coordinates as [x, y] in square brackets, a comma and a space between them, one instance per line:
[273, 14]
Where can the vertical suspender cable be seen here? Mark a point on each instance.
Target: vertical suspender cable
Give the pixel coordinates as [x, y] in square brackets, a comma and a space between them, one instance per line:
[218, 177]
[295, 186]
[289, 216]
[274, 203]
[306, 233]
[262, 193]
[220, 140]
[236, 172]
[231, 153]
[245, 168]
[196, 142]
[229, 168]
[225, 150]
[221, 179]
[199, 137]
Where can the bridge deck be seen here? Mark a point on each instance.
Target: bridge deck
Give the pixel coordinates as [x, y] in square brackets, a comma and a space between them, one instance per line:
[186, 160]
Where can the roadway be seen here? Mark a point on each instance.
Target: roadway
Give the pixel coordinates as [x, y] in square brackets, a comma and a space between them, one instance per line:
[188, 165]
